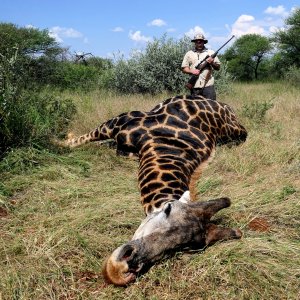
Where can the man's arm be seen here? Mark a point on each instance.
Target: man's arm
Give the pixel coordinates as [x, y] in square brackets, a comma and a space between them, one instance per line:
[188, 70]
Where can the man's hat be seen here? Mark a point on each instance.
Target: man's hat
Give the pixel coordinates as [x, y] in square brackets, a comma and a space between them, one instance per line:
[199, 36]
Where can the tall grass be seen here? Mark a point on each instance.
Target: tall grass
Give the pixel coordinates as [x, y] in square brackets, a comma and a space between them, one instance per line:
[63, 215]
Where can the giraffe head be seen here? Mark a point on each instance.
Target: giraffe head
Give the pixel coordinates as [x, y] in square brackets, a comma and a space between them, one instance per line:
[179, 224]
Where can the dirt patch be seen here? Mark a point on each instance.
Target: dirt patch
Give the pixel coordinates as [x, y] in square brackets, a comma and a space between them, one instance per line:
[86, 276]
[3, 212]
[259, 224]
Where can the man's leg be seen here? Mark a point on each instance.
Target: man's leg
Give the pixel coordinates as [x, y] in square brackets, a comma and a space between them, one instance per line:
[196, 92]
[209, 92]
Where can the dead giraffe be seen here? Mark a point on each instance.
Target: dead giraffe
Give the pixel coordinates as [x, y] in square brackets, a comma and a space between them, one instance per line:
[174, 142]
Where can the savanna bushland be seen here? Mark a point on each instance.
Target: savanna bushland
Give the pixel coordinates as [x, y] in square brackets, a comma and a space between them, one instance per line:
[62, 211]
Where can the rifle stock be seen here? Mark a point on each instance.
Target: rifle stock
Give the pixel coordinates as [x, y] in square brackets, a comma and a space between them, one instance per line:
[202, 65]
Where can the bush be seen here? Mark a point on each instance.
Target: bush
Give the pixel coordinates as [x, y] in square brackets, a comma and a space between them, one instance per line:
[83, 77]
[27, 117]
[155, 70]
[223, 79]
[256, 111]
[292, 76]
[68, 74]
[33, 119]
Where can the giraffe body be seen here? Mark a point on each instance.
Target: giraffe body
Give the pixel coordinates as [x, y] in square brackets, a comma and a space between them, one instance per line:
[174, 142]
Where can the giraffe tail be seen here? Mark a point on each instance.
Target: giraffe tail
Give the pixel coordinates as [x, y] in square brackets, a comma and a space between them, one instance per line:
[101, 133]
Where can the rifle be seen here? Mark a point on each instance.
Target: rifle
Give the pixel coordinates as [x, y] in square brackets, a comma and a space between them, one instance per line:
[202, 65]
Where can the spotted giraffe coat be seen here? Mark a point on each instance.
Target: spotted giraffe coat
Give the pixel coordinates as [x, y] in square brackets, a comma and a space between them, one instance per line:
[173, 141]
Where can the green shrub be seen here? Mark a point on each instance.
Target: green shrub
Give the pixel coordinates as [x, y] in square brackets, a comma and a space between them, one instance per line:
[28, 117]
[223, 80]
[155, 70]
[34, 119]
[292, 76]
[77, 76]
[256, 111]
[69, 75]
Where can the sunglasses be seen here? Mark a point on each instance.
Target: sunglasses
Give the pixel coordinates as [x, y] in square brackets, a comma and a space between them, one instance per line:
[199, 41]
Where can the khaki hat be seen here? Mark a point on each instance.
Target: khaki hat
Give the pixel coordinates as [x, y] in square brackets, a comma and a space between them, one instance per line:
[199, 36]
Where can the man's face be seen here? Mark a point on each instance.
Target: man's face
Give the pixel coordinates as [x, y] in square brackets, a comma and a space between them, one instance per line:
[199, 44]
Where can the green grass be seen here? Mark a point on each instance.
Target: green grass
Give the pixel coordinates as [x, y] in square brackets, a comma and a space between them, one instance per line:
[62, 214]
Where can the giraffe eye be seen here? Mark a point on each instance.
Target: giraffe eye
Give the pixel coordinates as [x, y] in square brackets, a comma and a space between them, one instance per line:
[168, 210]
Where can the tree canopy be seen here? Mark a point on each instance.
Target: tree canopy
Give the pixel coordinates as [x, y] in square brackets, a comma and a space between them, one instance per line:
[288, 40]
[27, 41]
[246, 55]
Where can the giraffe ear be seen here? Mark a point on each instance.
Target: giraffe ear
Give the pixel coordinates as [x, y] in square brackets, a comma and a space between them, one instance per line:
[208, 208]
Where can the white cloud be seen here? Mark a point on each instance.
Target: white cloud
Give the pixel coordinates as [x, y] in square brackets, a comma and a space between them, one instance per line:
[193, 31]
[246, 24]
[171, 30]
[157, 22]
[138, 37]
[273, 29]
[118, 29]
[29, 26]
[245, 18]
[56, 36]
[278, 11]
[58, 33]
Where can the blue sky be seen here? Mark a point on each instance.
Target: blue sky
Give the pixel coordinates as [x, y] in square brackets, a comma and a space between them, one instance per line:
[109, 28]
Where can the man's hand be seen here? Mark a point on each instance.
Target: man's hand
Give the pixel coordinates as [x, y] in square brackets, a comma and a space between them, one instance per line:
[195, 72]
[210, 60]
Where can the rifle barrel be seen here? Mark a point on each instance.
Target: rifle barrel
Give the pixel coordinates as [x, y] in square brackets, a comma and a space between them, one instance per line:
[225, 44]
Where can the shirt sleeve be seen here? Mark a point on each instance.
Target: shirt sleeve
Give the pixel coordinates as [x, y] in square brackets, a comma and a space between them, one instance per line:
[186, 61]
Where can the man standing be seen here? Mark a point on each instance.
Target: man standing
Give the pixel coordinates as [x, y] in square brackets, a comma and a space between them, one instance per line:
[205, 84]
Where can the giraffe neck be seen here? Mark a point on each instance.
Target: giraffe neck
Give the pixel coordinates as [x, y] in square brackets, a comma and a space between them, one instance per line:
[165, 177]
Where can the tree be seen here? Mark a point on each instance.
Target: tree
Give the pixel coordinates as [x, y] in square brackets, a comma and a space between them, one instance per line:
[28, 41]
[247, 56]
[288, 40]
[37, 52]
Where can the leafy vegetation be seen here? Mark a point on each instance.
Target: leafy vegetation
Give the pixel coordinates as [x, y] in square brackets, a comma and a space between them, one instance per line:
[288, 42]
[155, 70]
[292, 76]
[256, 111]
[28, 117]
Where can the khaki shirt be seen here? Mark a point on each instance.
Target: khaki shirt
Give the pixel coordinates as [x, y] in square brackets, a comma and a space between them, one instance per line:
[191, 60]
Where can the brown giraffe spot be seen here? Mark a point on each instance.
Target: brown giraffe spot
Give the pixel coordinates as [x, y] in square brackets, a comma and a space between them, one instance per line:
[259, 224]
